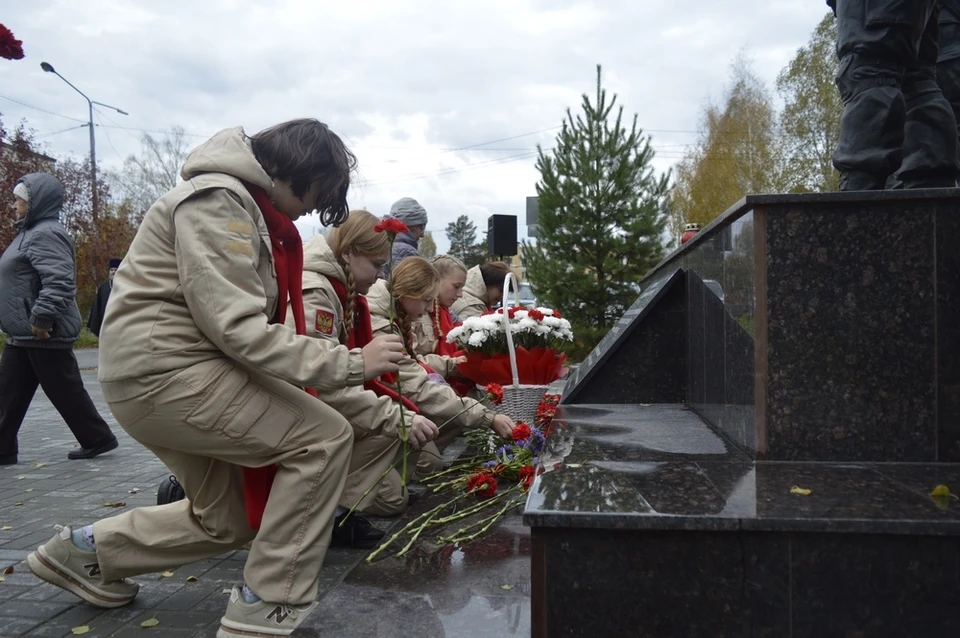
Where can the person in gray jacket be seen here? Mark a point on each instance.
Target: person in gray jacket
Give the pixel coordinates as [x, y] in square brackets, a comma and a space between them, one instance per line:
[410, 212]
[38, 312]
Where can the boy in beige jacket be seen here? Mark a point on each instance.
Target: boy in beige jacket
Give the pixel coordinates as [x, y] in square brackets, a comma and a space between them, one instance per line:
[195, 367]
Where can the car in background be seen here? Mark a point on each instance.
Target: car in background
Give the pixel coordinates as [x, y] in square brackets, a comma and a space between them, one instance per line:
[527, 297]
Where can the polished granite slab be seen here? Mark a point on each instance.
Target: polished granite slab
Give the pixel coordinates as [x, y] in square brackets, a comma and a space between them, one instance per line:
[661, 467]
[647, 521]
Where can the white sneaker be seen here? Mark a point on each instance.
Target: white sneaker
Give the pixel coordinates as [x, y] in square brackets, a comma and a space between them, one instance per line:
[260, 618]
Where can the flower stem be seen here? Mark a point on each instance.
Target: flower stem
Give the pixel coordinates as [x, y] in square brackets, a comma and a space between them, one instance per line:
[486, 522]
[411, 525]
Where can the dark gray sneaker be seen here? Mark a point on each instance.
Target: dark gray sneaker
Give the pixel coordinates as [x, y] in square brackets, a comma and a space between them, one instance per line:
[61, 563]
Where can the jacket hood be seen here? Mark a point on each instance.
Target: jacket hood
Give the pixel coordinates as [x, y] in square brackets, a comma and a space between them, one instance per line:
[46, 198]
[227, 152]
[475, 286]
[319, 261]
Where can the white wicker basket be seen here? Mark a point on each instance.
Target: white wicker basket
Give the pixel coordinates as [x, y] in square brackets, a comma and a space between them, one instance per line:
[519, 401]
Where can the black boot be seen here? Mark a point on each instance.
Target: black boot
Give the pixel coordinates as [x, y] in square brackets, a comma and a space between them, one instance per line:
[170, 491]
[356, 532]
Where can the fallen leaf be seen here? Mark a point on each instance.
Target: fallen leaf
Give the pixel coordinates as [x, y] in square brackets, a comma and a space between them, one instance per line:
[942, 491]
[8, 570]
[800, 490]
[134, 490]
[96, 469]
[506, 586]
[573, 465]
[5, 528]
[35, 464]
[18, 504]
[167, 574]
[117, 504]
[20, 478]
[645, 405]
[192, 579]
[29, 489]
[153, 622]
[46, 438]
[2, 579]
[82, 629]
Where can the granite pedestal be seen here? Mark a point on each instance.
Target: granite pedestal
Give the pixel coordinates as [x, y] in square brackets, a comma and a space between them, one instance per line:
[819, 337]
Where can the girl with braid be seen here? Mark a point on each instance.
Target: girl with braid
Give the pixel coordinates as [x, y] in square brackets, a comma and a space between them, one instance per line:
[337, 272]
[415, 286]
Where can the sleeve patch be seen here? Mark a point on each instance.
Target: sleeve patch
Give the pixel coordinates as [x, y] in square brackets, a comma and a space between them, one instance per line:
[324, 322]
[239, 247]
[238, 226]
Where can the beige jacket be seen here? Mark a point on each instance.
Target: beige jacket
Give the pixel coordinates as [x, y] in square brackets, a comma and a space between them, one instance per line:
[199, 283]
[425, 347]
[473, 303]
[367, 412]
[436, 401]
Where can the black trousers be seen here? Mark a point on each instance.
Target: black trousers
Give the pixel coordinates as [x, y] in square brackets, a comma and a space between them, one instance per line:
[57, 372]
[895, 118]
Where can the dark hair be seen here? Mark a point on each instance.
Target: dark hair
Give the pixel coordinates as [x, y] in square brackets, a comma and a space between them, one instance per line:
[305, 151]
[494, 272]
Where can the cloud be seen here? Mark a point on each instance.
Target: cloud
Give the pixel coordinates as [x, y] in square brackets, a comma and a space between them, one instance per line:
[404, 83]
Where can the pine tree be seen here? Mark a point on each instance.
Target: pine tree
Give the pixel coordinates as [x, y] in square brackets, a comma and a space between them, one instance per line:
[602, 213]
[462, 235]
[427, 247]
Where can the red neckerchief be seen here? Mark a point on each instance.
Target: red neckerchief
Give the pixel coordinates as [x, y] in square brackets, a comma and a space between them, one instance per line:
[442, 318]
[288, 259]
[361, 334]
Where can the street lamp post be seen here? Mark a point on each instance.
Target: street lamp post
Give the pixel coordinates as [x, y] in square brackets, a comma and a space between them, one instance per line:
[93, 142]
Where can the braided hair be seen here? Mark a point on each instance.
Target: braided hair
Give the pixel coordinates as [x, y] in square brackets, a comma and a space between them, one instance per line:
[356, 236]
[416, 278]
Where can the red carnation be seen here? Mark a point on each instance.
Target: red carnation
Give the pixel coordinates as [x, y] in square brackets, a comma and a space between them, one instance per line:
[536, 314]
[513, 311]
[10, 47]
[521, 432]
[526, 477]
[495, 393]
[483, 485]
[556, 313]
[391, 225]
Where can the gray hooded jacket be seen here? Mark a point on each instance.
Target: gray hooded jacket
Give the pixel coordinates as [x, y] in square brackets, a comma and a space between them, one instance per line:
[38, 272]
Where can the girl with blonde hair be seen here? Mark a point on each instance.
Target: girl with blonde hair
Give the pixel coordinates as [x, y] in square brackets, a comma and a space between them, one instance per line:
[415, 284]
[337, 273]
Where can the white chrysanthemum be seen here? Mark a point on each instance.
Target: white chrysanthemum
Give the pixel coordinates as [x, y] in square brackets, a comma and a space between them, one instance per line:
[546, 311]
[454, 334]
[476, 339]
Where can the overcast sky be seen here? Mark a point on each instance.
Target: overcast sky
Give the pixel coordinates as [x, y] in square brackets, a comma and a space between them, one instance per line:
[441, 101]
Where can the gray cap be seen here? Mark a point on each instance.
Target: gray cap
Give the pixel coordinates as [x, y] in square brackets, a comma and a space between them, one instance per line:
[409, 211]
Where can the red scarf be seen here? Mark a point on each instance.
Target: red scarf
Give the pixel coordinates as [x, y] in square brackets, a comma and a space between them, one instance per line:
[442, 318]
[288, 259]
[361, 334]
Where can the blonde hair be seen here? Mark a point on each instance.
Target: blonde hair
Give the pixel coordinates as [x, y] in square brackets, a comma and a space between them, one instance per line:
[447, 264]
[414, 277]
[356, 236]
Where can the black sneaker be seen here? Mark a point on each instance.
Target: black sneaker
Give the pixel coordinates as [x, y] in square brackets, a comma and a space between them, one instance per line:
[170, 491]
[90, 452]
[357, 533]
[10, 459]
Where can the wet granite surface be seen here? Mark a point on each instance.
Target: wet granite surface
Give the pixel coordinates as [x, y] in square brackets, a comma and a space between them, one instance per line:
[662, 467]
[481, 589]
[647, 521]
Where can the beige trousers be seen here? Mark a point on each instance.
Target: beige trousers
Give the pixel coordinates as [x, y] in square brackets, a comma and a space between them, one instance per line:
[205, 423]
[430, 459]
[372, 456]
